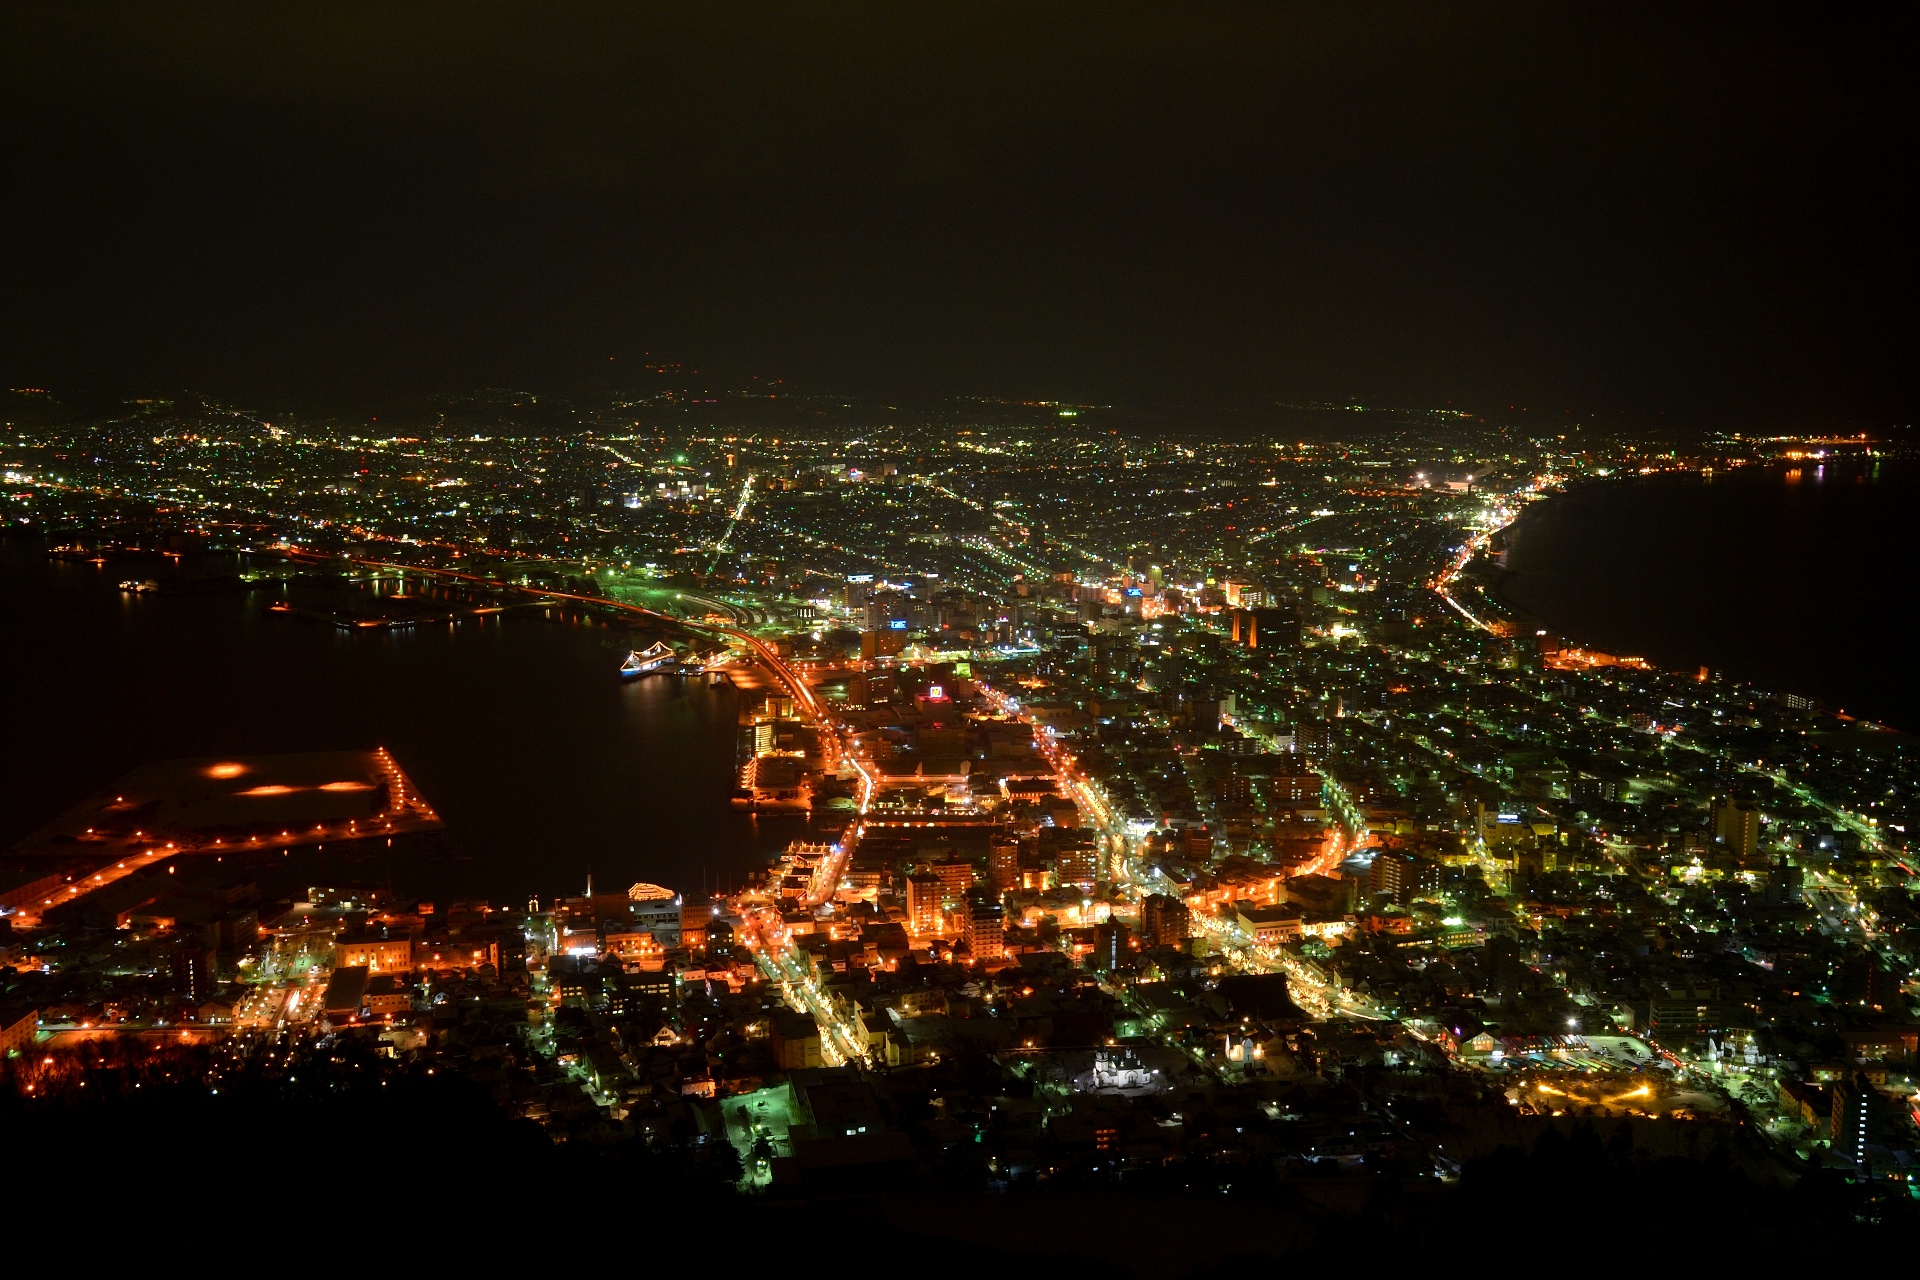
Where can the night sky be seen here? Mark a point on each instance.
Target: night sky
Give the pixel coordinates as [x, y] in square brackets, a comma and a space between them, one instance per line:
[1590, 206]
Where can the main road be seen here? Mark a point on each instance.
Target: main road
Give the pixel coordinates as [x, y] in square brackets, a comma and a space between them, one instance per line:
[1312, 988]
[841, 1040]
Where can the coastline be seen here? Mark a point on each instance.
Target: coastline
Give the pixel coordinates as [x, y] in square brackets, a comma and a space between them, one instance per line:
[1756, 574]
[511, 706]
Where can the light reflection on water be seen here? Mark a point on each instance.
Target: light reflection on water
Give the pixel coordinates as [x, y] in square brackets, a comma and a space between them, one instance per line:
[542, 762]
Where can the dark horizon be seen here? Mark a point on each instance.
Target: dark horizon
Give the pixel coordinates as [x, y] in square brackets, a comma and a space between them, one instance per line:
[1701, 215]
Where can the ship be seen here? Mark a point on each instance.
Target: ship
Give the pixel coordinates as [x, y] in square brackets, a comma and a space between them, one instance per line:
[655, 657]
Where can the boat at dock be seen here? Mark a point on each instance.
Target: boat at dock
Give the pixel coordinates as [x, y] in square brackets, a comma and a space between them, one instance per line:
[655, 657]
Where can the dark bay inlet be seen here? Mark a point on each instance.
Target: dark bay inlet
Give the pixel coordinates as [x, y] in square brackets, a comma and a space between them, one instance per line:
[516, 727]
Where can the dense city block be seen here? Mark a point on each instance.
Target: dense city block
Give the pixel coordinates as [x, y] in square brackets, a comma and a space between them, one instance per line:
[1186, 810]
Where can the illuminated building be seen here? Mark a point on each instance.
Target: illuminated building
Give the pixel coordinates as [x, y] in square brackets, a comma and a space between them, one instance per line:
[1118, 1069]
[1164, 921]
[955, 877]
[386, 996]
[1003, 864]
[924, 893]
[635, 946]
[882, 644]
[1078, 863]
[1312, 737]
[888, 611]
[661, 916]
[461, 955]
[694, 919]
[1270, 926]
[1855, 1118]
[1504, 830]
[1296, 788]
[376, 952]
[986, 927]
[1402, 877]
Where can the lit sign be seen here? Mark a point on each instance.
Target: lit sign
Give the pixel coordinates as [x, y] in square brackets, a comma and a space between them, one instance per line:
[898, 624]
[935, 692]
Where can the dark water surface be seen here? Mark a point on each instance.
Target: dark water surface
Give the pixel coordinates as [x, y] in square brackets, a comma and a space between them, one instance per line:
[1798, 579]
[517, 730]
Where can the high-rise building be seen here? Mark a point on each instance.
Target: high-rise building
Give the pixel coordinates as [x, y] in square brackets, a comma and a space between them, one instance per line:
[1109, 654]
[694, 919]
[889, 611]
[955, 876]
[192, 969]
[1736, 826]
[1786, 882]
[1402, 877]
[1678, 1016]
[870, 687]
[718, 937]
[1112, 946]
[1312, 737]
[1505, 970]
[924, 893]
[1864, 981]
[986, 927]
[1003, 864]
[882, 644]
[1855, 1118]
[1165, 921]
[1297, 788]
[1078, 863]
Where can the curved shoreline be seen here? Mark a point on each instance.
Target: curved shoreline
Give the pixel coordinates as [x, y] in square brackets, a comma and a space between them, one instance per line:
[1777, 583]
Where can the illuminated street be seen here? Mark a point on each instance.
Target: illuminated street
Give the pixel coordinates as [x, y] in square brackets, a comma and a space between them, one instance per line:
[1162, 641]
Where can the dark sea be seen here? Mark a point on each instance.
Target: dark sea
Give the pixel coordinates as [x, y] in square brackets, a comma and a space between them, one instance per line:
[1801, 579]
[541, 761]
